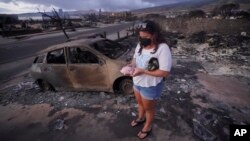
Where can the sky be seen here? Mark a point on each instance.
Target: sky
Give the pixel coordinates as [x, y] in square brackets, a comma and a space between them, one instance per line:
[26, 6]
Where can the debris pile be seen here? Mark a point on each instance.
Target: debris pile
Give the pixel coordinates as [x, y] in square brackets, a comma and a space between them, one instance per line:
[172, 38]
[219, 54]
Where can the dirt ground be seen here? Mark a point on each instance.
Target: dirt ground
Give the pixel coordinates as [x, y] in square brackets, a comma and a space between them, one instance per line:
[194, 106]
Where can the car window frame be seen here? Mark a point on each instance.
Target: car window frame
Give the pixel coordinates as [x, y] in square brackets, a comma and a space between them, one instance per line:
[83, 48]
[65, 57]
[37, 57]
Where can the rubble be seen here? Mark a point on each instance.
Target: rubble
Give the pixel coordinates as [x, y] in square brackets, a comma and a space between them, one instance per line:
[59, 124]
[25, 85]
[163, 110]
[198, 37]
[61, 98]
[205, 117]
[202, 132]
[183, 125]
[172, 38]
[224, 54]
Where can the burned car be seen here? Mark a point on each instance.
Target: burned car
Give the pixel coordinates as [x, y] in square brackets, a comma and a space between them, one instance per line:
[85, 65]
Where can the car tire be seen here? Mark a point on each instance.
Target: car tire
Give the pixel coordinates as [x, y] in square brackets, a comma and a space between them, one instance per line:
[126, 86]
[45, 86]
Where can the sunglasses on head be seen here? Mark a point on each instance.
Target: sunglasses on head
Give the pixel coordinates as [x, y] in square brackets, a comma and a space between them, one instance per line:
[143, 25]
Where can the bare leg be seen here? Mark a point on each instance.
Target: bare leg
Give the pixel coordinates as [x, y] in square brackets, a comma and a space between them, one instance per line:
[141, 111]
[149, 107]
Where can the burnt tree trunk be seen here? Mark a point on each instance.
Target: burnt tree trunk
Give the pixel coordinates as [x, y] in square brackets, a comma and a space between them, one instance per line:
[59, 21]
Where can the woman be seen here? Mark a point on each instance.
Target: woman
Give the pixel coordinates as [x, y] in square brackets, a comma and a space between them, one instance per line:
[148, 84]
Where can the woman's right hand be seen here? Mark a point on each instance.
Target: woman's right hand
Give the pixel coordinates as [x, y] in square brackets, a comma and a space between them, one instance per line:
[138, 71]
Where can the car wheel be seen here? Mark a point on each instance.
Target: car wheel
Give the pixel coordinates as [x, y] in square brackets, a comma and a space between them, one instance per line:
[45, 86]
[126, 86]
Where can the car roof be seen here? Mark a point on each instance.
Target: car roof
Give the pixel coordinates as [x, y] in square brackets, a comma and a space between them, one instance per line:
[73, 43]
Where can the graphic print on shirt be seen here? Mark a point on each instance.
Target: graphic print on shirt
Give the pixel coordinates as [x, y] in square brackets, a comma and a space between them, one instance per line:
[142, 60]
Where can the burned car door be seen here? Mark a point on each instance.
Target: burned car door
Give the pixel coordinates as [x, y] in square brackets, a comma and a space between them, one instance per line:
[55, 71]
[86, 70]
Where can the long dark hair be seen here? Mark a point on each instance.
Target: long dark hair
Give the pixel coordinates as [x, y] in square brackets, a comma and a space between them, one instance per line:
[155, 30]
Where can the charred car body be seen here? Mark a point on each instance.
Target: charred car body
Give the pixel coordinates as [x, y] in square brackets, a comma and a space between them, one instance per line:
[85, 65]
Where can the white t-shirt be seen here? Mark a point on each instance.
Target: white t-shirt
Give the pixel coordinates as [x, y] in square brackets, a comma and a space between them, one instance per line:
[164, 57]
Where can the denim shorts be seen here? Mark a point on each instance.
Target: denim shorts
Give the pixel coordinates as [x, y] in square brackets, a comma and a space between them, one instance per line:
[150, 93]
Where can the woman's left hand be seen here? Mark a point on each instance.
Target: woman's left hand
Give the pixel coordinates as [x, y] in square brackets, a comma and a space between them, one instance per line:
[138, 71]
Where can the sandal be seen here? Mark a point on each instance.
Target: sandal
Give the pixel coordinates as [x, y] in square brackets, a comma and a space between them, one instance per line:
[137, 122]
[144, 132]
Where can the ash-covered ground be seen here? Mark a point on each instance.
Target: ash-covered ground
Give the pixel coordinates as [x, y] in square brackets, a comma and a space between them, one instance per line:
[208, 90]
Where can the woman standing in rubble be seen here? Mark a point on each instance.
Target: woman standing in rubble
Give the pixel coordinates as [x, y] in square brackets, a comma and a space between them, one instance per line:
[148, 74]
